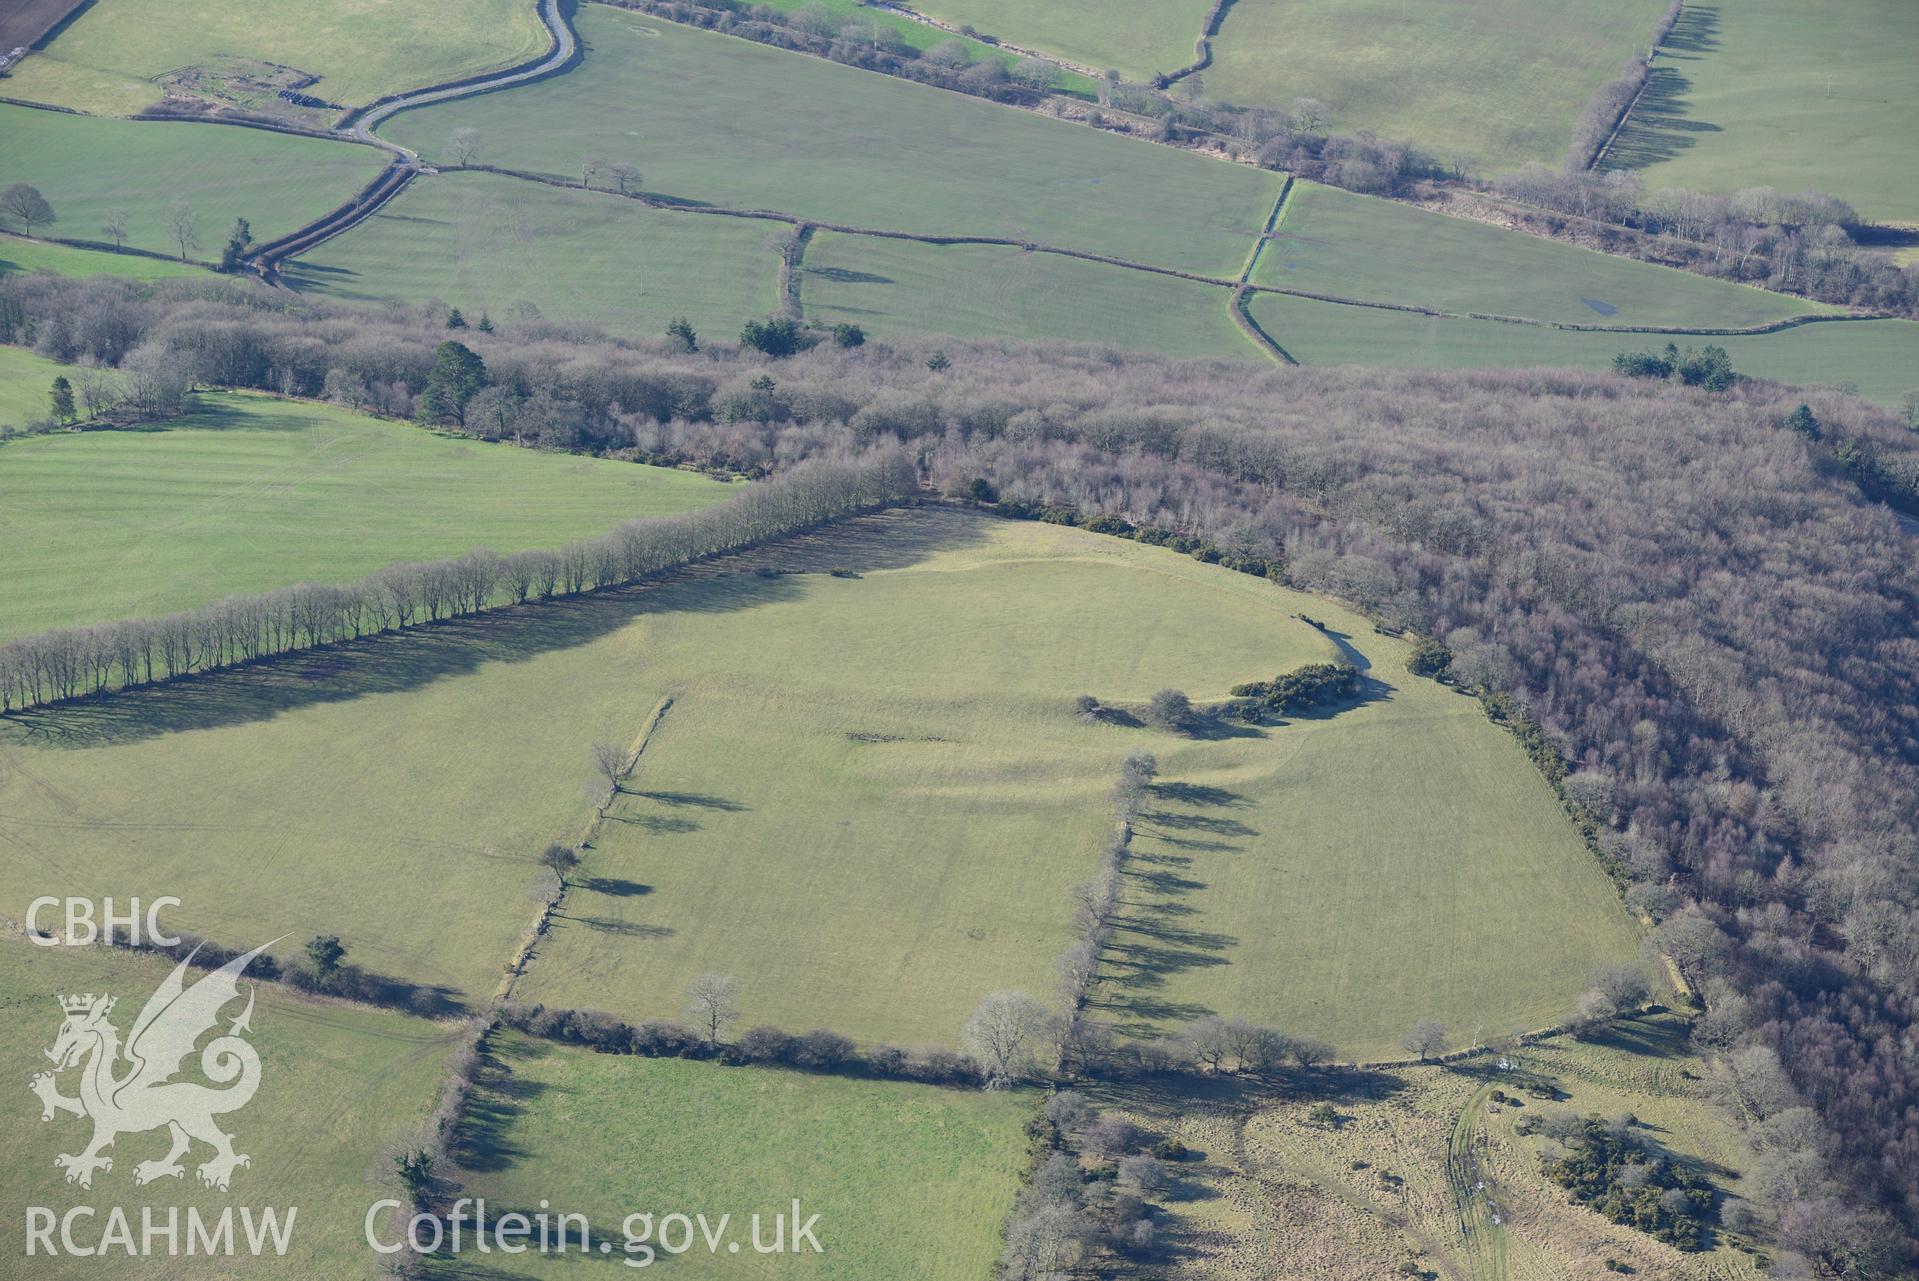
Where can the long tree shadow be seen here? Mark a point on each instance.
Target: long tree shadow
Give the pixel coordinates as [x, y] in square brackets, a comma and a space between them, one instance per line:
[485, 1142]
[1662, 124]
[398, 662]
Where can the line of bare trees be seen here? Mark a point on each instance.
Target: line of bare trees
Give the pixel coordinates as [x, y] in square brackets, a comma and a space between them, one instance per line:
[1096, 903]
[85, 661]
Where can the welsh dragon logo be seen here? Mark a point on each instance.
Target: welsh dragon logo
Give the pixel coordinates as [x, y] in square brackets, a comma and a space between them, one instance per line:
[131, 1090]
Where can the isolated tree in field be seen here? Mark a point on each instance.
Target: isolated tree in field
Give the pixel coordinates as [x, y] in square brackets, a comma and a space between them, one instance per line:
[1307, 115]
[464, 146]
[457, 375]
[115, 228]
[25, 205]
[938, 361]
[590, 165]
[239, 242]
[1427, 1038]
[1624, 985]
[183, 228]
[560, 858]
[1002, 1034]
[609, 762]
[680, 330]
[626, 176]
[713, 1002]
[324, 954]
[1170, 709]
[62, 399]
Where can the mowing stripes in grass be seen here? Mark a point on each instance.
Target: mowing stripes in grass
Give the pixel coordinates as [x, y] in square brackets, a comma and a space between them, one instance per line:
[515, 248]
[1351, 246]
[907, 1180]
[340, 1086]
[17, 253]
[250, 493]
[763, 128]
[902, 287]
[1875, 357]
[1777, 93]
[1485, 84]
[92, 170]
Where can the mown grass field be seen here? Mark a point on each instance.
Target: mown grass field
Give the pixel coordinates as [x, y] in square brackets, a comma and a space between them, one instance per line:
[91, 169]
[924, 36]
[114, 57]
[902, 287]
[1879, 358]
[1269, 882]
[1351, 246]
[1486, 84]
[486, 243]
[764, 128]
[338, 1085]
[1138, 38]
[1774, 93]
[251, 493]
[26, 385]
[908, 1180]
[17, 253]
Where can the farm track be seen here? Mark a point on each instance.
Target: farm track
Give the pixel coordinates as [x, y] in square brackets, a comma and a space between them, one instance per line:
[358, 126]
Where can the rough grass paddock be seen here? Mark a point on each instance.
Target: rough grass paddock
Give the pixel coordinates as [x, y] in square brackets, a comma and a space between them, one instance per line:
[904, 288]
[1748, 93]
[90, 169]
[1139, 38]
[1275, 1192]
[17, 253]
[250, 493]
[1351, 246]
[908, 1180]
[338, 1086]
[763, 128]
[487, 243]
[114, 57]
[1879, 358]
[1486, 84]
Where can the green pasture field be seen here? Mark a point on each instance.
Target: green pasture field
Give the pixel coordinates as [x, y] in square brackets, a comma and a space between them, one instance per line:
[923, 36]
[1484, 84]
[1775, 93]
[1138, 38]
[871, 804]
[1351, 246]
[90, 169]
[869, 800]
[902, 287]
[26, 386]
[486, 243]
[1347, 874]
[907, 1180]
[1877, 358]
[339, 1084]
[752, 126]
[250, 493]
[17, 253]
[114, 59]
